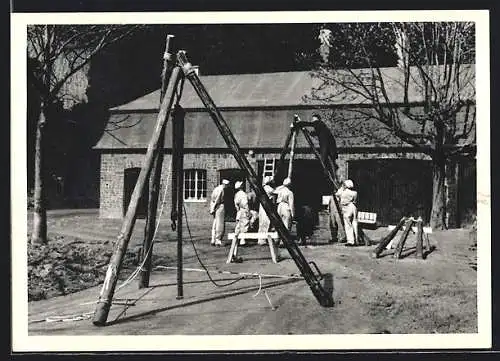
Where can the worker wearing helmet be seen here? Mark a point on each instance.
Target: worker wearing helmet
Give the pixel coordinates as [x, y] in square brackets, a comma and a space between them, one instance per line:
[242, 211]
[218, 212]
[347, 197]
[285, 201]
[264, 221]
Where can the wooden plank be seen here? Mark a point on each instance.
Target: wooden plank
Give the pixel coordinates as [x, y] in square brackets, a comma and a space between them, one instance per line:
[403, 238]
[385, 241]
[275, 252]
[232, 251]
[426, 230]
[419, 247]
[254, 235]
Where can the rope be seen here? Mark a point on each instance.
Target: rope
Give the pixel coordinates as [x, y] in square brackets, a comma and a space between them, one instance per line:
[201, 262]
[269, 300]
[140, 267]
[85, 316]
[264, 275]
[260, 286]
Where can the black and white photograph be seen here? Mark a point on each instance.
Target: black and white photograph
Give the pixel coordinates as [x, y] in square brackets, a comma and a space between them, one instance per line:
[251, 181]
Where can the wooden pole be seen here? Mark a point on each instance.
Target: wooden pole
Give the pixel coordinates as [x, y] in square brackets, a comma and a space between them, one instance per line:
[281, 160]
[420, 241]
[332, 220]
[336, 209]
[325, 299]
[178, 156]
[403, 238]
[292, 153]
[108, 288]
[155, 177]
[385, 241]
[427, 242]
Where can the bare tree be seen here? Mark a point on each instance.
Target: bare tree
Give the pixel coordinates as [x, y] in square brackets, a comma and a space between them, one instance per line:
[427, 99]
[58, 55]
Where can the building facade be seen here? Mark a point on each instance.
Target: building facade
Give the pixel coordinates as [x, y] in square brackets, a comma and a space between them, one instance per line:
[392, 178]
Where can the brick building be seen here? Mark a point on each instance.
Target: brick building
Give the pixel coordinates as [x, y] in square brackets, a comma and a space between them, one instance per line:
[392, 178]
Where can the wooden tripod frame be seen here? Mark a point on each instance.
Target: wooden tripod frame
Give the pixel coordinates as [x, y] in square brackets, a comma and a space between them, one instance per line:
[181, 69]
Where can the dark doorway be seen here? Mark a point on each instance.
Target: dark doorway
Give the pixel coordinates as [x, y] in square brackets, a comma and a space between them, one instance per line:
[309, 184]
[232, 175]
[393, 188]
[130, 179]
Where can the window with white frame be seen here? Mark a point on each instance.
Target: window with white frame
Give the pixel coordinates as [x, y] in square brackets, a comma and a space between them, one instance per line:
[195, 185]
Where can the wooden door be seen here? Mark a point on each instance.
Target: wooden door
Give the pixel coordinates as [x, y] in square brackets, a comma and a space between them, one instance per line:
[393, 188]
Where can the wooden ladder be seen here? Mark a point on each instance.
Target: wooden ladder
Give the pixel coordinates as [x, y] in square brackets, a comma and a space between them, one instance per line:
[269, 165]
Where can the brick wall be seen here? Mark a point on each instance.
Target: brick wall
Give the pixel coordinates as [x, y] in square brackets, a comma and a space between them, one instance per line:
[113, 166]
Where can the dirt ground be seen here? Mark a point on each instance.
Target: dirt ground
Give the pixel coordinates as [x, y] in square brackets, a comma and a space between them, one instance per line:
[435, 295]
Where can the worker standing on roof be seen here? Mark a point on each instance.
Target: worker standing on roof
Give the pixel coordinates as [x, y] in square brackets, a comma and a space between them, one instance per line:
[264, 221]
[347, 198]
[285, 201]
[218, 212]
[242, 211]
[327, 144]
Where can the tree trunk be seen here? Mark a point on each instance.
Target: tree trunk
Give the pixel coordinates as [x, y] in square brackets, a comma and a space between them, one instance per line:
[39, 234]
[438, 213]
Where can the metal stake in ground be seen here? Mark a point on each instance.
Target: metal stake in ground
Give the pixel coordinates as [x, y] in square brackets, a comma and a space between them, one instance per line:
[155, 177]
[108, 288]
[324, 298]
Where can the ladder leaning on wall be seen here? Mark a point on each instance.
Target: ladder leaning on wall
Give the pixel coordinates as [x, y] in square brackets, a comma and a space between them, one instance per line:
[269, 166]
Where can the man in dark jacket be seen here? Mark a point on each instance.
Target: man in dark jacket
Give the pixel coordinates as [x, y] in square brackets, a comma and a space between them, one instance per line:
[327, 144]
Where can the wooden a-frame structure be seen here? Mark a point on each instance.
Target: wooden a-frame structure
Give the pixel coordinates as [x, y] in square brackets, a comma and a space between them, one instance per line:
[176, 69]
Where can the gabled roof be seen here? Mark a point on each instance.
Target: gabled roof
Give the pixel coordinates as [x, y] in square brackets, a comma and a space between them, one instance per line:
[259, 109]
[253, 129]
[284, 89]
[240, 90]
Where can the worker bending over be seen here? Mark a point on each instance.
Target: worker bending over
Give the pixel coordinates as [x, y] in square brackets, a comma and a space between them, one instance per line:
[253, 206]
[242, 211]
[264, 221]
[347, 198]
[285, 202]
[217, 211]
[327, 144]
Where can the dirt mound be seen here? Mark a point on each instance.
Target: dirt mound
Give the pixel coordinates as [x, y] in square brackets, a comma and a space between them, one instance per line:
[65, 266]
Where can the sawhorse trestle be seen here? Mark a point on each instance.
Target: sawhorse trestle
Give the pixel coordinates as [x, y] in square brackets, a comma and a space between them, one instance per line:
[271, 238]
